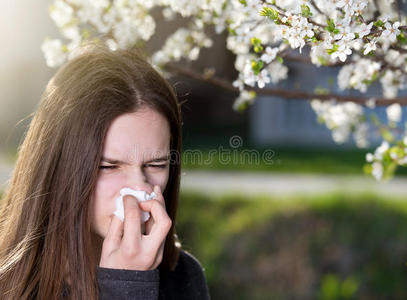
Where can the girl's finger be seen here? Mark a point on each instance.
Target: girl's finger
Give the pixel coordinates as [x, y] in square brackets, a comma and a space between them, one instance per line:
[132, 225]
[162, 222]
[149, 224]
[160, 197]
[114, 234]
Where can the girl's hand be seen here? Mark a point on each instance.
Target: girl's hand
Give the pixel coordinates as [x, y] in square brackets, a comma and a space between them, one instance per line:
[126, 247]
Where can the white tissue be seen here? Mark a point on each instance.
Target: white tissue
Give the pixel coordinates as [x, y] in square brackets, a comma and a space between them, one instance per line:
[141, 197]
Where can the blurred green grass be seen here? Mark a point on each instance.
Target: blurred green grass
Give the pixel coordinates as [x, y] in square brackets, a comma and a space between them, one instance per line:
[334, 246]
[287, 160]
[328, 247]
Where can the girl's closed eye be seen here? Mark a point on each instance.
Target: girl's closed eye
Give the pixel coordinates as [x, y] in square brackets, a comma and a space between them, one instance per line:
[107, 167]
[161, 166]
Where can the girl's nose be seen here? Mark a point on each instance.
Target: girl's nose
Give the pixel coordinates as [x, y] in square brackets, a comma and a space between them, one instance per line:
[138, 181]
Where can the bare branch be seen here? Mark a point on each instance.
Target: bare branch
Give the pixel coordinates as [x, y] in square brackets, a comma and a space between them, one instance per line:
[282, 93]
[307, 60]
[399, 49]
[316, 7]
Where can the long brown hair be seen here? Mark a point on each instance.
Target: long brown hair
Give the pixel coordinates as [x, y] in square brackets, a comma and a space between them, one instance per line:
[45, 231]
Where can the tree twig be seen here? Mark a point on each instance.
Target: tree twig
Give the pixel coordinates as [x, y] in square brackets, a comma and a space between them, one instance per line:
[316, 7]
[282, 93]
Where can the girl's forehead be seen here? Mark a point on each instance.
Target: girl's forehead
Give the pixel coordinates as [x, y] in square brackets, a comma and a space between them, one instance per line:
[141, 135]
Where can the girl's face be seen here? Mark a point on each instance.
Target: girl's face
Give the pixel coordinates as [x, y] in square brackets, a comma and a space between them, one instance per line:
[135, 155]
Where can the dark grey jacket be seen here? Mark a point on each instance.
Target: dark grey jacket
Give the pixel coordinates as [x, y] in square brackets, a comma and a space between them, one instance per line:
[187, 281]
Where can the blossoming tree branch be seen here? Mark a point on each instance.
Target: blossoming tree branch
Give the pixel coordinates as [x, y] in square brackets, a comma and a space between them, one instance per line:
[367, 39]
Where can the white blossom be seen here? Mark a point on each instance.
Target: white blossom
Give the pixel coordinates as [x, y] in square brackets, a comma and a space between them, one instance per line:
[344, 75]
[360, 135]
[262, 78]
[277, 71]
[342, 52]
[245, 98]
[378, 154]
[112, 44]
[371, 46]
[269, 55]
[54, 52]
[341, 118]
[391, 31]
[394, 113]
[358, 74]
[61, 13]
[364, 29]
[345, 34]
[377, 170]
[391, 82]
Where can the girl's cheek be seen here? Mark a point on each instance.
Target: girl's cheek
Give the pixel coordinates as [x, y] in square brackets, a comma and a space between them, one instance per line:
[160, 179]
[107, 190]
[111, 183]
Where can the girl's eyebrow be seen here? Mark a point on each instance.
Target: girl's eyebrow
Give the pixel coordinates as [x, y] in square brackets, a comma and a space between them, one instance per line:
[112, 161]
[116, 161]
[159, 159]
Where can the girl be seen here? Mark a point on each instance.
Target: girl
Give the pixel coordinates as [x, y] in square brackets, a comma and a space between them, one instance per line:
[106, 121]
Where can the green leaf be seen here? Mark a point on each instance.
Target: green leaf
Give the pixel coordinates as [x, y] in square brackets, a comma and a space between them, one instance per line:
[85, 34]
[330, 287]
[279, 59]
[256, 44]
[387, 135]
[232, 31]
[388, 171]
[242, 107]
[108, 8]
[378, 23]
[375, 76]
[320, 120]
[257, 65]
[323, 61]
[401, 38]
[269, 13]
[306, 11]
[375, 120]
[367, 169]
[65, 48]
[331, 25]
[349, 287]
[334, 49]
